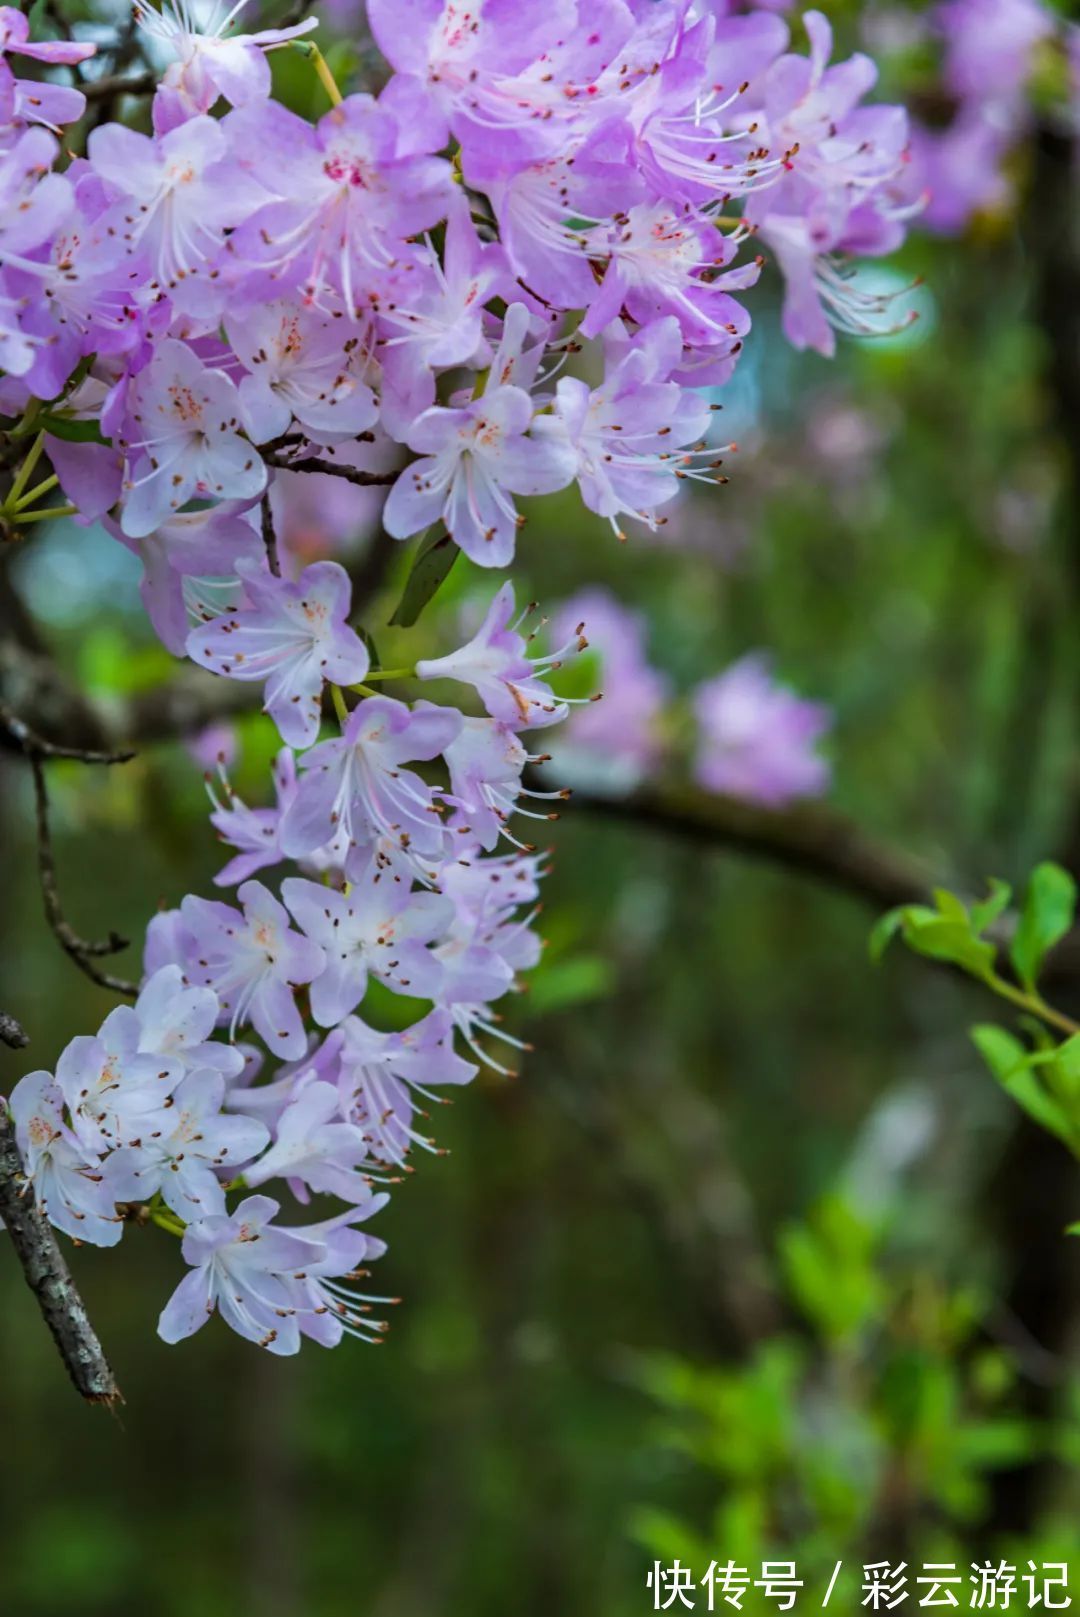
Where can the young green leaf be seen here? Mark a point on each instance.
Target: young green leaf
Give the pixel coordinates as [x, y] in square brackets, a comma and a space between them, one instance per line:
[1011, 1064]
[1049, 907]
[950, 906]
[72, 431]
[433, 562]
[991, 909]
[883, 933]
[950, 941]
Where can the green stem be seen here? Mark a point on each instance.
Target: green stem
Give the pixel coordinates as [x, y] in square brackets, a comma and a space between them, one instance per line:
[388, 673]
[1034, 1004]
[22, 476]
[325, 77]
[36, 492]
[46, 516]
[337, 696]
[25, 423]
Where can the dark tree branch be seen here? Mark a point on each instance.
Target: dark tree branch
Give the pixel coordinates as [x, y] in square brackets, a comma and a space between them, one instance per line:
[118, 84]
[369, 573]
[48, 1276]
[81, 951]
[351, 474]
[296, 13]
[184, 706]
[36, 746]
[269, 536]
[12, 1033]
[813, 841]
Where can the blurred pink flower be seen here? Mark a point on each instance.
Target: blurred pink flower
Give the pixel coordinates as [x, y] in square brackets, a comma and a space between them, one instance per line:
[757, 738]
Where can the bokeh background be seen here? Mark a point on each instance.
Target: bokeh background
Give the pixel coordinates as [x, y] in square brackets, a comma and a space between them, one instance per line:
[752, 1259]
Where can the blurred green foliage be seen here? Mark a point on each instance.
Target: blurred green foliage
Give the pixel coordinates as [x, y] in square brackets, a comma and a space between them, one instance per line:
[870, 1435]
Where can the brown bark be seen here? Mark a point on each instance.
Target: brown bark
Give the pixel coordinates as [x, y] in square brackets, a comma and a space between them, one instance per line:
[49, 1278]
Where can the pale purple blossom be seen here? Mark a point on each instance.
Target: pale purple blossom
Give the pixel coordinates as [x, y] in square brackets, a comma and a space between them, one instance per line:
[517, 265]
[33, 201]
[293, 637]
[40, 100]
[471, 461]
[305, 366]
[380, 1074]
[378, 927]
[757, 739]
[330, 1310]
[184, 1162]
[184, 441]
[64, 1174]
[176, 195]
[638, 435]
[511, 684]
[253, 960]
[315, 1146]
[486, 760]
[254, 832]
[245, 1267]
[355, 788]
[619, 740]
[190, 565]
[990, 45]
[178, 1021]
[210, 61]
[339, 196]
[116, 1093]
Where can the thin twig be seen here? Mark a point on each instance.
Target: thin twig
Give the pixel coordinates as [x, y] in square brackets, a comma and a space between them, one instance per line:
[351, 474]
[82, 952]
[117, 84]
[63, 28]
[49, 1278]
[812, 840]
[34, 744]
[295, 14]
[270, 537]
[36, 750]
[12, 1033]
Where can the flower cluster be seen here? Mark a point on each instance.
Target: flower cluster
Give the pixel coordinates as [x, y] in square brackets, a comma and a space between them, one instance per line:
[754, 739]
[517, 269]
[402, 884]
[991, 51]
[252, 279]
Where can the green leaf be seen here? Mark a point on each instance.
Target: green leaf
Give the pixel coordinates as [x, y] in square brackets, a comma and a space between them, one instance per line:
[1062, 1067]
[1072, 1229]
[946, 933]
[950, 906]
[576, 981]
[372, 648]
[433, 562]
[992, 908]
[827, 1263]
[70, 430]
[1011, 1064]
[951, 941]
[883, 933]
[1049, 907]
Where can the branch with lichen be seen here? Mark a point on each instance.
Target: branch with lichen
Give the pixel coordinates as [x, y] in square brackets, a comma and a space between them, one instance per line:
[43, 1264]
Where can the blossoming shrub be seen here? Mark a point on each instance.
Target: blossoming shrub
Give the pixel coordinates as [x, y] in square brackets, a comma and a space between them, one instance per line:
[517, 269]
